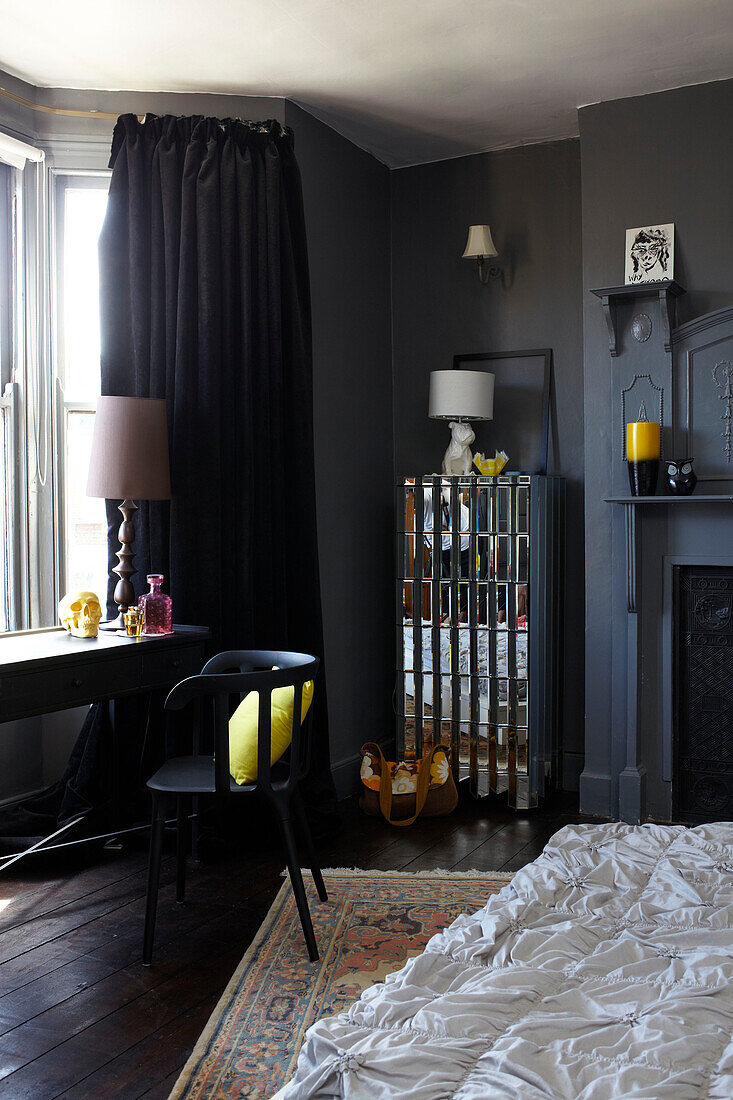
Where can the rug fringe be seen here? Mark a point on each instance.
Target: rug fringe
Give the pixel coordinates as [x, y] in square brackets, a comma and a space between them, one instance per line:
[438, 872]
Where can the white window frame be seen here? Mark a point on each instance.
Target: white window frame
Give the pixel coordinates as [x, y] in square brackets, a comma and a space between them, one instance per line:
[33, 402]
[13, 338]
[61, 179]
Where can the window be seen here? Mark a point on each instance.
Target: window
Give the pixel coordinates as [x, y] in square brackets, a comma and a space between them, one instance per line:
[9, 303]
[79, 207]
[53, 537]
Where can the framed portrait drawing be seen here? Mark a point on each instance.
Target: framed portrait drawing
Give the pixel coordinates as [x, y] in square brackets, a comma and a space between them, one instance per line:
[649, 256]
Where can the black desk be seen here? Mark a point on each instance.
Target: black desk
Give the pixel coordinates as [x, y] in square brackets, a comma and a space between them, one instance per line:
[48, 670]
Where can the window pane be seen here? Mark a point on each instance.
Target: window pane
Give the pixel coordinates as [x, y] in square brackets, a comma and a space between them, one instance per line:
[6, 411]
[85, 519]
[86, 522]
[5, 540]
[83, 216]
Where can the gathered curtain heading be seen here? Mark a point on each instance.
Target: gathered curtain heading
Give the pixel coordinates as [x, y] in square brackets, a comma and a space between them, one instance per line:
[194, 129]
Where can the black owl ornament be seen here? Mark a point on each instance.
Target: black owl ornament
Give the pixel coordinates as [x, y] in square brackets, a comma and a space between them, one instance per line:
[681, 477]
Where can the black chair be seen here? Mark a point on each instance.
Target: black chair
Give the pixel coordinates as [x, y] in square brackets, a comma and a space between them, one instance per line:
[236, 673]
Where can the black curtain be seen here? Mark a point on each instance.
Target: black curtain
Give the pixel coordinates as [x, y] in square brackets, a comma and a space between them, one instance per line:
[205, 302]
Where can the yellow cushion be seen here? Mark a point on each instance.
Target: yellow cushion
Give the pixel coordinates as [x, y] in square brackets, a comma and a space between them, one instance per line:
[243, 729]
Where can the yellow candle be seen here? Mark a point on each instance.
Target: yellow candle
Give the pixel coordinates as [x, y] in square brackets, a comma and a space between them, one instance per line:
[642, 441]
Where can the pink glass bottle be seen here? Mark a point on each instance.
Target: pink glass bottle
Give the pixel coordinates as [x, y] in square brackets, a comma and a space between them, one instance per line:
[157, 608]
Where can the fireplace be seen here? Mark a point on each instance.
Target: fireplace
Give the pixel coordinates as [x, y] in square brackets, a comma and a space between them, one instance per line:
[702, 777]
[659, 617]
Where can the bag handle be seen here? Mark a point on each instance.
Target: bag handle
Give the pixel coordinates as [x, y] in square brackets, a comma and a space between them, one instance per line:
[385, 786]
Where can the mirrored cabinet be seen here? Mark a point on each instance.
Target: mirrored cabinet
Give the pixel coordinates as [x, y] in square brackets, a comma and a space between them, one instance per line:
[479, 598]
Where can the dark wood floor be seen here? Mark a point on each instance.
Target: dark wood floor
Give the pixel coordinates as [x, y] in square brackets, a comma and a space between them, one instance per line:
[81, 1017]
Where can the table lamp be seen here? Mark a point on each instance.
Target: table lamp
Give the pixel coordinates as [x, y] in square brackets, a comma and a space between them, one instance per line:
[459, 395]
[129, 461]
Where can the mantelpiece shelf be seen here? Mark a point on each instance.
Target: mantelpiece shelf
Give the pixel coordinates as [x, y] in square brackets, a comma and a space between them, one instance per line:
[695, 498]
[631, 504]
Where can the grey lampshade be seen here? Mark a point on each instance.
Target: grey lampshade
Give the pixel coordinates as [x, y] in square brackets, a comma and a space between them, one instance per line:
[129, 459]
[461, 395]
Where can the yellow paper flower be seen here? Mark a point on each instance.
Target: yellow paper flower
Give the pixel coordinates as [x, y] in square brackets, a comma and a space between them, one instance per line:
[439, 768]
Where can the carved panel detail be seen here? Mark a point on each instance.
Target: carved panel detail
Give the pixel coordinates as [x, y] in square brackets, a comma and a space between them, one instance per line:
[641, 327]
[723, 378]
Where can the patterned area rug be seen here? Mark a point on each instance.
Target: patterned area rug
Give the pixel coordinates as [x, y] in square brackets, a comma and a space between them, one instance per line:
[372, 923]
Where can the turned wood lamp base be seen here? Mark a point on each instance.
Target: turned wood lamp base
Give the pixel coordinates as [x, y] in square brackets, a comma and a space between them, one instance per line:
[124, 594]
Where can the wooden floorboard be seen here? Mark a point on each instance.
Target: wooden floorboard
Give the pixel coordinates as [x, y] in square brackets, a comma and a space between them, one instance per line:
[79, 1015]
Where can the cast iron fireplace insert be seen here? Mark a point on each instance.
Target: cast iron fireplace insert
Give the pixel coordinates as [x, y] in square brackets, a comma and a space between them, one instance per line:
[702, 785]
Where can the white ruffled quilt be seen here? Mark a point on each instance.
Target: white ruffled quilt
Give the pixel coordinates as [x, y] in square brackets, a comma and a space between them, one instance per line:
[604, 970]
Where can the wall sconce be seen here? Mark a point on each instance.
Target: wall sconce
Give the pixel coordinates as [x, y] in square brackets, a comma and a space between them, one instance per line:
[480, 247]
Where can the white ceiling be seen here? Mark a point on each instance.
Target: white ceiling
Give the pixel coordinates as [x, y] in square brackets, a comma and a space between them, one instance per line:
[409, 80]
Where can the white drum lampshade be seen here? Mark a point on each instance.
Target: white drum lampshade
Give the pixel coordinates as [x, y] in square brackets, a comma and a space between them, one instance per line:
[458, 396]
[461, 395]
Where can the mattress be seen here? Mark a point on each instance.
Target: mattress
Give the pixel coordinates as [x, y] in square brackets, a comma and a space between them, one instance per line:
[604, 970]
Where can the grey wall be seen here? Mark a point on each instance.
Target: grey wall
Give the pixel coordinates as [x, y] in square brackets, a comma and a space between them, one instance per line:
[346, 196]
[656, 158]
[531, 198]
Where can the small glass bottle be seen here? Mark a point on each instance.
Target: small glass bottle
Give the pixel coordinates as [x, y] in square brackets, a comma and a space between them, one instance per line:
[157, 608]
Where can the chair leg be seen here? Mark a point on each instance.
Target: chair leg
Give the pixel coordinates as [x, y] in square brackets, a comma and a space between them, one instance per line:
[156, 850]
[310, 851]
[296, 880]
[195, 832]
[181, 838]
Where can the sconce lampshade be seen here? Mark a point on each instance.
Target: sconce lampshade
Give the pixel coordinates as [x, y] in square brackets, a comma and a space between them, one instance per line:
[129, 457]
[479, 243]
[461, 395]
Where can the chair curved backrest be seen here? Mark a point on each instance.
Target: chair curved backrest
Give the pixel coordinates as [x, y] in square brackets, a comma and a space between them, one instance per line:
[237, 672]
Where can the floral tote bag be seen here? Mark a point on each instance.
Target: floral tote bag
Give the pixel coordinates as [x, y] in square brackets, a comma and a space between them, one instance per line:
[402, 791]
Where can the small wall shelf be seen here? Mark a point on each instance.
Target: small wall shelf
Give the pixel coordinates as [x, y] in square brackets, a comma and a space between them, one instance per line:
[695, 498]
[666, 292]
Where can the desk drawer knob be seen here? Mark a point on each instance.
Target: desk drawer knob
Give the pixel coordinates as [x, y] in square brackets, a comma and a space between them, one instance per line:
[176, 662]
[76, 682]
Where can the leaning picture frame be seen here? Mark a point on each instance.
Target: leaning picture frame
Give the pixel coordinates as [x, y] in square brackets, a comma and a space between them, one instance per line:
[522, 397]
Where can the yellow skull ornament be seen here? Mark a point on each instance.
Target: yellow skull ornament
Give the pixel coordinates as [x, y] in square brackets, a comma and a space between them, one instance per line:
[80, 613]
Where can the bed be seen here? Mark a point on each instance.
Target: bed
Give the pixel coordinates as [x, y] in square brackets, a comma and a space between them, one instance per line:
[603, 970]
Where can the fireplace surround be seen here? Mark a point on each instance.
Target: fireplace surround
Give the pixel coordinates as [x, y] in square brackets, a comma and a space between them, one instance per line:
[642, 761]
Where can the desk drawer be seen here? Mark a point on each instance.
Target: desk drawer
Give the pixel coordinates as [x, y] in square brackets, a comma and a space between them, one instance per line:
[56, 689]
[171, 665]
